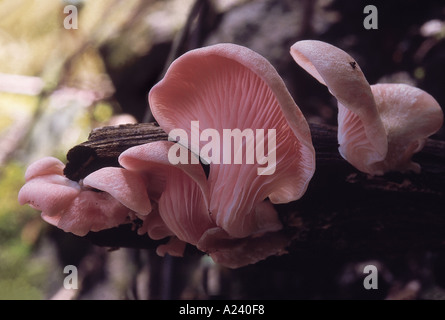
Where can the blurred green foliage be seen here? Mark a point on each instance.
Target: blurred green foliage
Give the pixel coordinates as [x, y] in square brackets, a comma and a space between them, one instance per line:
[102, 112]
[21, 276]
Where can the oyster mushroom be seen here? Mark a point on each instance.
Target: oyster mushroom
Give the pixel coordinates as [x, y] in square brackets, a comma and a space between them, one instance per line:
[228, 215]
[227, 86]
[409, 115]
[182, 192]
[86, 206]
[183, 212]
[381, 126]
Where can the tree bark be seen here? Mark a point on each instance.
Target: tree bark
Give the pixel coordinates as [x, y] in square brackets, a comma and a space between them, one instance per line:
[343, 211]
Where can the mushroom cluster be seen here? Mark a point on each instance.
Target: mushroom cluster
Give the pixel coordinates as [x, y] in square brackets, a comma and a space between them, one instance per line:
[227, 214]
[380, 126]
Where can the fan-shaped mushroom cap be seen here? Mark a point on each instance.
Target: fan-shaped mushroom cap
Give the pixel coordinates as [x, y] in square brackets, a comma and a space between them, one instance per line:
[183, 215]
[183, 201]
[121, 184]
[227, 86]
[361, 135]
[44, 166]
[380, 126]
[46, 189]
[410, 116]
[65, 203]
[89, 211]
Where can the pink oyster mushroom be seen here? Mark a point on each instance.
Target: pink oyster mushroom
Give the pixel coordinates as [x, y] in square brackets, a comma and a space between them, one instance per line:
[380, 126]
[80, 207]
[228, 215]
[184, 216]
[227, 86]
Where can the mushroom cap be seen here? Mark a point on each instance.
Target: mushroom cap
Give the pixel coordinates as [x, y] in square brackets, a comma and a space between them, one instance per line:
[121, 184]
[182, 211]
[173, 247]
[236, 253]
[409, 115]
[44, 166]
[183, 196]
[65, 203]
[227, 86]
[361, 133]
[154, 226]
[89, 211]
[48, 193]
[46, 189]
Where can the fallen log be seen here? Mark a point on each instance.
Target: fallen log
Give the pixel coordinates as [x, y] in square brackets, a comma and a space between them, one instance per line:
[343, 211]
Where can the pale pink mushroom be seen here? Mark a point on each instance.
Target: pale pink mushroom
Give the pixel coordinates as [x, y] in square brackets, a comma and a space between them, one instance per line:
[120, 184]
[235, 253]
[223, 87]
[92, 205]
[182, 211]
[373, 121]
[229, 215]
[174, 247]
[227, 86]
[410, 116]
[182, 204]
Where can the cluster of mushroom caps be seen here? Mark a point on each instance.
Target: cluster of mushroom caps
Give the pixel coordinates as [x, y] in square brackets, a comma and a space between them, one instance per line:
[229, 214]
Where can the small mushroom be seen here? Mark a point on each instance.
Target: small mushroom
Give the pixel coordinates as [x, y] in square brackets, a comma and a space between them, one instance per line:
[86, 206]
[374, 122]
[409, 115]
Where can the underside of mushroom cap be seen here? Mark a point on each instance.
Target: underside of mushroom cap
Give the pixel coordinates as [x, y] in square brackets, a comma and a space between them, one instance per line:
[183, 202]
[227, 86]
